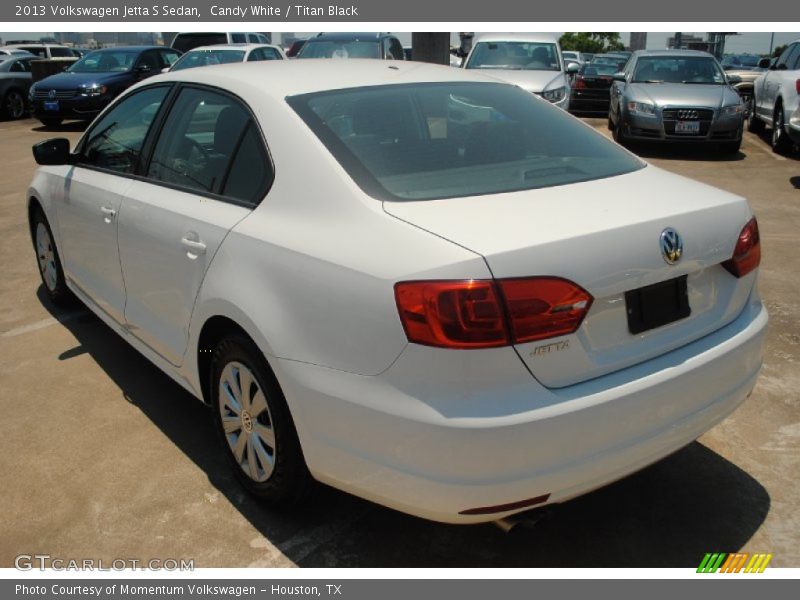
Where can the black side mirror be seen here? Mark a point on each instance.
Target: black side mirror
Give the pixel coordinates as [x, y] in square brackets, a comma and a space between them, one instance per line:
[54, 151]
[143, 69]
[763, 63]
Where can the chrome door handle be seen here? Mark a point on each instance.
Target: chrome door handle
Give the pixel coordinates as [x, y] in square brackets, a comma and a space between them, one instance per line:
[193, 246]
[108, 213]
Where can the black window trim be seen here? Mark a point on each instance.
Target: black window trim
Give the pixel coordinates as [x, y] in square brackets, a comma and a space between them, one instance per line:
[153, 133]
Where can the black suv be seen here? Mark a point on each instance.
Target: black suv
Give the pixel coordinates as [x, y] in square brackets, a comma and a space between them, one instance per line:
[353, 45]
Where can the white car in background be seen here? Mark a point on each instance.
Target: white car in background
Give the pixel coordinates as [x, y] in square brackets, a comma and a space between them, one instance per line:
[221, 54]
[573, 56]
[417, 284]
[775, 100]
[531, 61]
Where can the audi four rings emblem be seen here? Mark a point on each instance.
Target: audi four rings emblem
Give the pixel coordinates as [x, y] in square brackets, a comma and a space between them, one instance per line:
[671, 245]
[687, 114]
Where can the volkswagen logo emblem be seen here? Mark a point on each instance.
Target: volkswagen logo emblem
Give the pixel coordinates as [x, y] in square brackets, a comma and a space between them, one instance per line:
[51, 94]
[671, 246]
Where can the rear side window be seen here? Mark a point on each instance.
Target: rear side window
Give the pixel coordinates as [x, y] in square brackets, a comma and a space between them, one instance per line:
[441, 140]
[200, 137]
[115, 142]
[251, 172]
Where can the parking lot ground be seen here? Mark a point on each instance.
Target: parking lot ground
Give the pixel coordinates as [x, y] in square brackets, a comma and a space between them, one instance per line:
[102, 456]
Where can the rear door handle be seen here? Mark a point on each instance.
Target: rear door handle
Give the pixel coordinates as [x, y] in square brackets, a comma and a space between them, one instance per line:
[193, 246]
[108, 213]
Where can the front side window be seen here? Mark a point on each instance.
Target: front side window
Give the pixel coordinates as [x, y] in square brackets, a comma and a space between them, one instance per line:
[678, 69]
[433, 140]
[783, 59]
[525, 56]
[115, 142]
[199, 138]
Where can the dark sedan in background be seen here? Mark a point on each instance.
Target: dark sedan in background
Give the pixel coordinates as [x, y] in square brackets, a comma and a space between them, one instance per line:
[676, 95]
[15, 80]
[88, 86]
[590, 87]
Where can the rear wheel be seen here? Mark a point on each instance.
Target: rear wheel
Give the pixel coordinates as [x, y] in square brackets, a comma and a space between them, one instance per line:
[14, 104]
[51, 121]
[49, 261]
[619, 134]
[254, 425]
[780, 141]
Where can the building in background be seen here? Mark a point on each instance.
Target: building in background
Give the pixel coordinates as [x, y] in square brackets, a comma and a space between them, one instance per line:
[638, 41]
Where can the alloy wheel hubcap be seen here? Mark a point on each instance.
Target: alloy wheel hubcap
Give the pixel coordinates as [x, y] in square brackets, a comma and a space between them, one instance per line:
[15, 105]
[46, 256]
[246, 421]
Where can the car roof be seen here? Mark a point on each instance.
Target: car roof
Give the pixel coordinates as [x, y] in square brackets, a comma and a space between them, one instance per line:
[674, 52]
[242, 46]
[34, 45]
[516, 37]
[288, 78]
[132, 48]
[341, 35]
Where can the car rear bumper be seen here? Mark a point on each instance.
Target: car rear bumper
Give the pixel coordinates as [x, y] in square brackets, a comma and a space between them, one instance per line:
[442, 432]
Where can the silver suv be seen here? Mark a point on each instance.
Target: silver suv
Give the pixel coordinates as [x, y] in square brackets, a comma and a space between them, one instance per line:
[776, 99]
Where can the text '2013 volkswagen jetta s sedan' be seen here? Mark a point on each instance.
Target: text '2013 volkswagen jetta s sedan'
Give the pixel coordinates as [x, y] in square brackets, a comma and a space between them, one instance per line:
[417, 284]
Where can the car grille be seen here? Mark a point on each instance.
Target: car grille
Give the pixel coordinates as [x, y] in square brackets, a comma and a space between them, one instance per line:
[671, 116]
[59, 94]
[688, 114]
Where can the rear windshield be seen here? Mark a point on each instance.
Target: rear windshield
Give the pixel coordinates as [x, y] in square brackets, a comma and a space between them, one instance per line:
[188, 41]
[442, 140]
[340, 49]
[205, 58]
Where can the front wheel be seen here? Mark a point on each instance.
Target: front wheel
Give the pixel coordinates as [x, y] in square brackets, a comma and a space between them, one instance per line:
[619, 134]
[781, 143]
[14, 105]
[255, 427]
[49, 262]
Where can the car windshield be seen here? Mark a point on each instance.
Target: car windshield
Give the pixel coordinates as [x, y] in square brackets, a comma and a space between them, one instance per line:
[527, 56]
[428, 141]
[340, 49]
[205, 58]
[105, 61]
[678, 69]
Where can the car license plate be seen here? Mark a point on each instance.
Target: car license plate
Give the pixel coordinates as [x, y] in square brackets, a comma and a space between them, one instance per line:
[658, 304]
[687, 127]
[51, 105]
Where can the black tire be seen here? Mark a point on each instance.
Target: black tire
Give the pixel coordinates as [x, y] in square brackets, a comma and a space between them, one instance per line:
[289, 482]
[610, 122]
[619, 135]
[730, 148]
[54, 285]
[781, 144]
[14, 104]
[51, 121]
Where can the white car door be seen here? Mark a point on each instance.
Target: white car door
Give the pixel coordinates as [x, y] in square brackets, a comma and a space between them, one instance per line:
[94, 193]
[209, 168]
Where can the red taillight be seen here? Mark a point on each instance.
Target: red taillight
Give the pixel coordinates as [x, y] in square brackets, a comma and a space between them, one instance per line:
[543, 307]
[747, 254]
[484, 313]
[579, 83]
[797, 85]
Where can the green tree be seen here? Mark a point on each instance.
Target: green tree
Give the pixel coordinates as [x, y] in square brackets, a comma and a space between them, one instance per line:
[778, 50]
[591, 42]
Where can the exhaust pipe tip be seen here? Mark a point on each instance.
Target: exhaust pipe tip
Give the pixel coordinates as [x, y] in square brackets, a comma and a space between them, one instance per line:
[521, 521]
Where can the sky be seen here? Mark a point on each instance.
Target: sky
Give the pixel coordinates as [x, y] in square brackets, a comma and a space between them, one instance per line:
[757, 43]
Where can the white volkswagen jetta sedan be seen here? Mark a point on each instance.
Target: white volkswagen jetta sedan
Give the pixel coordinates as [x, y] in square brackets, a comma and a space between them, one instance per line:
[416, 284]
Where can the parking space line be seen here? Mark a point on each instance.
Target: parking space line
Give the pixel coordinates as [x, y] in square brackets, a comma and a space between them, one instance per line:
[22, 330]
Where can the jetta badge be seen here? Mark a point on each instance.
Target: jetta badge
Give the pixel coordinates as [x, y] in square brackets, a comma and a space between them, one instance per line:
[671, 245]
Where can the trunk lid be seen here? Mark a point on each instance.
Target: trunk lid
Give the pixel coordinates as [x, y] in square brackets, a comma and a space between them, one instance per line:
[603, 235]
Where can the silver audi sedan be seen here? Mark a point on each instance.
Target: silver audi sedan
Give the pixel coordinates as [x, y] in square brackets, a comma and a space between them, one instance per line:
[676, 95]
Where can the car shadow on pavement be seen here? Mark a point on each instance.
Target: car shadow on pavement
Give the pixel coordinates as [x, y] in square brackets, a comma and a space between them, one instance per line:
[668, 515]
[795, 181]
[64, 127]
[683, 151]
